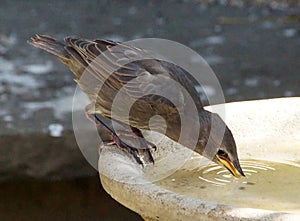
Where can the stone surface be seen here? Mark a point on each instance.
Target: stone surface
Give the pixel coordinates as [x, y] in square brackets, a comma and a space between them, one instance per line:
[254, 124]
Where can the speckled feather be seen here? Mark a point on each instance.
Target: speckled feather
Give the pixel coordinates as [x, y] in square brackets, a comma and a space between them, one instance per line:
[116, 76]
[109, 64]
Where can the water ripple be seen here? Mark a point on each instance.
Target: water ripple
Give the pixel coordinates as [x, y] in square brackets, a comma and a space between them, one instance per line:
[218, 175]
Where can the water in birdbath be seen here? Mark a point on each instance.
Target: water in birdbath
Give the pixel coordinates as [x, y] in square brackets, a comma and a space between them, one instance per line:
[268, 185]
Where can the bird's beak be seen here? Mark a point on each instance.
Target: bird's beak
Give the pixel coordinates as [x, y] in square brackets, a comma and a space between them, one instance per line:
[234, 168]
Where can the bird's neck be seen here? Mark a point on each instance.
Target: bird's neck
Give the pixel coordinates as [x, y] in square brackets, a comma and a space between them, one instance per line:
[191, 132]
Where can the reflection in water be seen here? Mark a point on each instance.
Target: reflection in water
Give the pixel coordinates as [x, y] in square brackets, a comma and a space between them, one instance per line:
[267, 185]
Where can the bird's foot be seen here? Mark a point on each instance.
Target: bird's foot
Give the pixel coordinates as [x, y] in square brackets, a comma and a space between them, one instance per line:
[142, 156]
[125, 147]
[105, 143]
[131, 150]
[138, 145]
[143, 141]
[152, 145]
[139, 148]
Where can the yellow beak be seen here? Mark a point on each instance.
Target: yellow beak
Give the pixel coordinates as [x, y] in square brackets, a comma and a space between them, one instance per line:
[235, 170]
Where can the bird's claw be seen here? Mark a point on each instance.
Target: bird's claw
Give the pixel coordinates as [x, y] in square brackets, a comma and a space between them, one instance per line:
[142, 154]
[152, 145]
[131, 150]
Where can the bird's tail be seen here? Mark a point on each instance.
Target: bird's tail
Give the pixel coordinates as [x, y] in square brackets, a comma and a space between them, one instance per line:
[50, 45]
[64, 53]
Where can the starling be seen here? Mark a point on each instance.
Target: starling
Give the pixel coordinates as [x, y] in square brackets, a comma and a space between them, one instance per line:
[106, 75]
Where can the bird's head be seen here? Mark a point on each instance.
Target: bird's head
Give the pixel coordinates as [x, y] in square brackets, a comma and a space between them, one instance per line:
[216, 142]
[227, 156]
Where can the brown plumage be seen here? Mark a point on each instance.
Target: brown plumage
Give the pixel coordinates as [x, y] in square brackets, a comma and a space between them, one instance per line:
[108, 71]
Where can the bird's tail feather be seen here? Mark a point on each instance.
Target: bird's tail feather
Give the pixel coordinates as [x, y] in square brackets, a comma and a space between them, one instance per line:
[50, 45]
[63, 51]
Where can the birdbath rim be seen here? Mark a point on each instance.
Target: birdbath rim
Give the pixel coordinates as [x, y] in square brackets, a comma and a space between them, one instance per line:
[125, 181]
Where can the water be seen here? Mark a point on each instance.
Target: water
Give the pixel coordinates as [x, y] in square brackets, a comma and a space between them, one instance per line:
[267, 185]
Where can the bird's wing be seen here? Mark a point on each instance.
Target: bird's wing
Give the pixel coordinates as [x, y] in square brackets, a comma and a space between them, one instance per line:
[130, 76]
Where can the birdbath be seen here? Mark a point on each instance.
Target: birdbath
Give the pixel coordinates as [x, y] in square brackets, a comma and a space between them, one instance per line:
[183, 186]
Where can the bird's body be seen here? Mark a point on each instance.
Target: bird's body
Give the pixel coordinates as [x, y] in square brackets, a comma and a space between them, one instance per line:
[108, 71]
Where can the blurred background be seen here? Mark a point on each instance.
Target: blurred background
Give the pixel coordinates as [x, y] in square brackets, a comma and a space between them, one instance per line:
[252, 46]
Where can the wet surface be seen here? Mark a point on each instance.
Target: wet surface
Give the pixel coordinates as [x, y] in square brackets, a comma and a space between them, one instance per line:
[266, 182]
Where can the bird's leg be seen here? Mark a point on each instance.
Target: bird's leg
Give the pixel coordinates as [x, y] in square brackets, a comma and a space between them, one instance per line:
[136, 138]
[143, 141]
[139, 155]
[115, 137]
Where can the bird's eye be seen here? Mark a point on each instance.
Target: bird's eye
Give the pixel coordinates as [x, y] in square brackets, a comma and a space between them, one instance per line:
[222, 153]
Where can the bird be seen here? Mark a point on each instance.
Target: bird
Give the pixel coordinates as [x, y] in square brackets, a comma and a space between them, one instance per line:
[105, 70]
